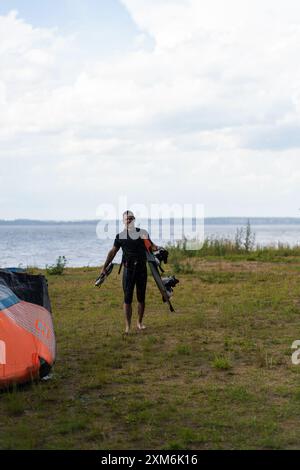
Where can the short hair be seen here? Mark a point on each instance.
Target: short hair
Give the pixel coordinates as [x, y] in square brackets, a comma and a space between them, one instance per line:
[128, 213]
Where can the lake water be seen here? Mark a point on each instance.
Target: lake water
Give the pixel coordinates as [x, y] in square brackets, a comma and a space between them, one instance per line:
[38, 245]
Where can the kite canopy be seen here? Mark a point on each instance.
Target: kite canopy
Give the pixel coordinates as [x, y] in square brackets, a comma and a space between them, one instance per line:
[27, 340]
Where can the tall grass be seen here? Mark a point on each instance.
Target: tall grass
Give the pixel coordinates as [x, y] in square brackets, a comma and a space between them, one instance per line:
[243, 243]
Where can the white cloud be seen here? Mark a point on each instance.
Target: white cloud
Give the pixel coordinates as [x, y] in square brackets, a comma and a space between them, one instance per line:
[211, 113]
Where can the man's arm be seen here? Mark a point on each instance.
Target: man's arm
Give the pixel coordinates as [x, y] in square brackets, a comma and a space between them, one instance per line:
[111, 254]
[146, 236]
[153, 246]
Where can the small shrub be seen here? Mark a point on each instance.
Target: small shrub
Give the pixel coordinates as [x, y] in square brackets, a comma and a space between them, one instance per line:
[244, 239]
[58, 268]
[238, 239]
[249, 241]
[221, 363]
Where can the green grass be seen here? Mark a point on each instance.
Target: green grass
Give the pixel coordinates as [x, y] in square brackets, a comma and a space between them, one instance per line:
[216, 374]
[222, 363]
[215, 247]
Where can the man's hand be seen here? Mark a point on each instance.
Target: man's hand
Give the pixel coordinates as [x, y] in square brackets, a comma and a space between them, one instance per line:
[162, 254]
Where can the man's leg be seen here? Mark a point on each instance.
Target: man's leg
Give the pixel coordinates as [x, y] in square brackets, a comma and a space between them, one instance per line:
[128, 286]
[128, 315]
[141, 310]
[141, 283]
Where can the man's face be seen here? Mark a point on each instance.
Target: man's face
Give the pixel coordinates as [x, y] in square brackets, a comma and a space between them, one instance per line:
[128, 220]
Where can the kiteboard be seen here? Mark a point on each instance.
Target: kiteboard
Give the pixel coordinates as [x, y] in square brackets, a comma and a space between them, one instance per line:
[154, 268]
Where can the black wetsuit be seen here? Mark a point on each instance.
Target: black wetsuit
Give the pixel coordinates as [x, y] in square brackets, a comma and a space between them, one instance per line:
[134, 262]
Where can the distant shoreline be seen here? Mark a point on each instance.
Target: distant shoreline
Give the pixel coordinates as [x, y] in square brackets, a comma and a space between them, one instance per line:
[207, 220]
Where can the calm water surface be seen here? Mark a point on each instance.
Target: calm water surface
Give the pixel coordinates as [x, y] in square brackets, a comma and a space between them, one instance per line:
[38, 245]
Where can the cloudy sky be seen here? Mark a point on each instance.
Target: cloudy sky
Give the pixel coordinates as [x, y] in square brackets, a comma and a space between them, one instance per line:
[161, 101]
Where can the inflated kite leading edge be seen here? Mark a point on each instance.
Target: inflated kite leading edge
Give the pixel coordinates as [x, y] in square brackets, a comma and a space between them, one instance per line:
[27, 339]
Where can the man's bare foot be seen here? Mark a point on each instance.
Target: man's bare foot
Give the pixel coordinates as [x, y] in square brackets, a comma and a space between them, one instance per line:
[140, 326]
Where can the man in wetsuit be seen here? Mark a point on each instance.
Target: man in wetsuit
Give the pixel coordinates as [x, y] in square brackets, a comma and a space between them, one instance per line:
[131, 240]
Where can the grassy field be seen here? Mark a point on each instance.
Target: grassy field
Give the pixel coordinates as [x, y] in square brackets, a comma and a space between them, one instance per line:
[217, 374]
